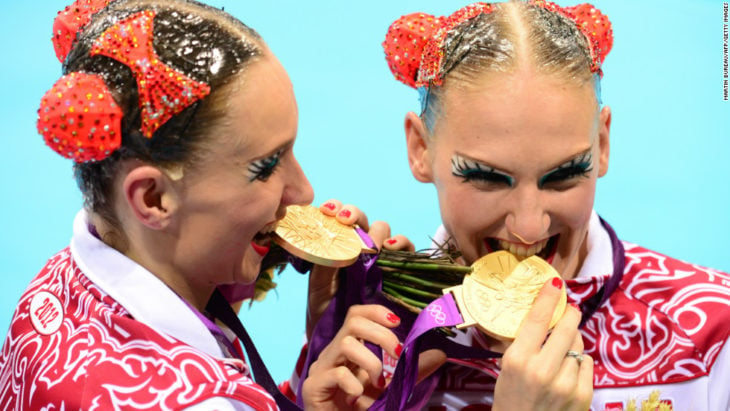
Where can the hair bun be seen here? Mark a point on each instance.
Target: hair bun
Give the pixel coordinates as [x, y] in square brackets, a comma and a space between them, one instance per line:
[404, 44]
[79, 119]
[69, 21]
[596, 27]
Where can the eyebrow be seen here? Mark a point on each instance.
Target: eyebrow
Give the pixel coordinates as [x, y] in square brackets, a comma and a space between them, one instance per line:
[279, 149]
[585, 154]
[491, 168]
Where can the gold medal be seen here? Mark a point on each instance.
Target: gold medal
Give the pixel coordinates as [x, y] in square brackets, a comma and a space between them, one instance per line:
[500, 291]
[312, 236]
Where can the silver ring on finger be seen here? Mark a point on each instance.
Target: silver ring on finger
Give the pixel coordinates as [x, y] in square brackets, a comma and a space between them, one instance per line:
[575, 354]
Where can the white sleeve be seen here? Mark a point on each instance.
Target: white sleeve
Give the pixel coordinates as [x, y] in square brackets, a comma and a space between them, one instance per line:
[719, 395]
[220, 404]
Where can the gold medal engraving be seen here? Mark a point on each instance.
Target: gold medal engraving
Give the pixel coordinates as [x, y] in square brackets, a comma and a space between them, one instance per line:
[308, 234]
[500, 291]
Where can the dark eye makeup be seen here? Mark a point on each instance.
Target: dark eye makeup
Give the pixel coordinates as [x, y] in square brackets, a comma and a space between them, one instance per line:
[579, 166]
[471, 170]
[263, 168]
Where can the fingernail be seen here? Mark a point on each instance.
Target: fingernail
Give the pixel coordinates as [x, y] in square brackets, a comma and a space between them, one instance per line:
[330, 206]
[574, 305]
[345, 213]
[391, 241]
[398, 350]
[392, 318]
[557, 282]
[381, 381]
[353, 401]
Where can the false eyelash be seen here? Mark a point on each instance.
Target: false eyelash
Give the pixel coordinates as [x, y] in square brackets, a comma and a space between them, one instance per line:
[263, 169]
[578, 166]
[470, 170]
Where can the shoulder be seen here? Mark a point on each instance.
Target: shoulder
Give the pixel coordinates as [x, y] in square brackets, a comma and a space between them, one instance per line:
[70, 336]
[685, 292]
[667, 321]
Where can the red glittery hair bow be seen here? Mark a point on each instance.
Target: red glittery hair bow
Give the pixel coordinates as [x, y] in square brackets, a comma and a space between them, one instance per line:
[79, 118]
[163, 91]
[414, 43]
[69, 21]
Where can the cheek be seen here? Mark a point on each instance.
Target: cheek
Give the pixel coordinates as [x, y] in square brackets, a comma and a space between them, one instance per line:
[576, 207]
[466, 213]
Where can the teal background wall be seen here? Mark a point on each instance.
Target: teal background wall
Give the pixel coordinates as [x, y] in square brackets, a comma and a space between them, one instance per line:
[667, 187]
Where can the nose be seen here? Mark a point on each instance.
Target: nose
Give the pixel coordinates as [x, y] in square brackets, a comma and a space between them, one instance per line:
[527, 218]
[297, 190]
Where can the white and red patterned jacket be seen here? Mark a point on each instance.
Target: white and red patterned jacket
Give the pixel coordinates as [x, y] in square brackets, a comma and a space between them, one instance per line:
[664, 329]
[94, 330]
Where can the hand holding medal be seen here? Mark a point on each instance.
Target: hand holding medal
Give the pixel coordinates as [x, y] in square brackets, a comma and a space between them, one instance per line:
[495, 294]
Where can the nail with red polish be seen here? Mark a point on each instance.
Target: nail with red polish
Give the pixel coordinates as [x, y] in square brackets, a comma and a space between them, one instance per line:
[574, 305]
[398, 350]
[381, 381]
[391, 241]
[345, 213]
[329, 206]
[557, 282]
[392, 318]
[353, 401]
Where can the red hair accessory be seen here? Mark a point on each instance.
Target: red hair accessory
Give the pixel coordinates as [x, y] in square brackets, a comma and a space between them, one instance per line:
[414, 43]
[404, 44]
[79, 119]
[163, 91]
[69, 21]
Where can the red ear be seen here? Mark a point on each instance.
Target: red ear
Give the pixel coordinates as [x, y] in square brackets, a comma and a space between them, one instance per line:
[79, 119]
[404, 44]
[69, 21]
[596, 27]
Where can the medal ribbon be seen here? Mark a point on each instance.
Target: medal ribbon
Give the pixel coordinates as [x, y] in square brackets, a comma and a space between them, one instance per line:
[221, 309]
[442, 312]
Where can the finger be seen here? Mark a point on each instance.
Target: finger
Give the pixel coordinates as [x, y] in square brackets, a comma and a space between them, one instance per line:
[370, 323]
[331, 207]
[400, 243]
[564, 390]
[584, 391]
[565, 336]
[350, 215]
[360, 357]
[379, 232]
[320, 387]
[534, 327]
[429, 361]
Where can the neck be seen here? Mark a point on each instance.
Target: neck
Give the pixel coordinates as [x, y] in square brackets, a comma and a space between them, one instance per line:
[155, 251]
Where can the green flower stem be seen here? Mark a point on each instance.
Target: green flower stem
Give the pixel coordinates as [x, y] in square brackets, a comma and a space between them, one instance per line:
[416, 281]
[407, 265]
[403, 298]
[403, 288]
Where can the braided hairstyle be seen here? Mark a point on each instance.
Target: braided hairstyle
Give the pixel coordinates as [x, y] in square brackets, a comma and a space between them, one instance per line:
[458, 50]
[204, 43]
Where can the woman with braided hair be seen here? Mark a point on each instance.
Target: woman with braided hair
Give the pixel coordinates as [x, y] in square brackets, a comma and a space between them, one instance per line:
[513, 134]
[181, 124]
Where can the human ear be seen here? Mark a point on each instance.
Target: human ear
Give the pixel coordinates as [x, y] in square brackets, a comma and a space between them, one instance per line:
[604, 128]
[150, 196]
[418, 154]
